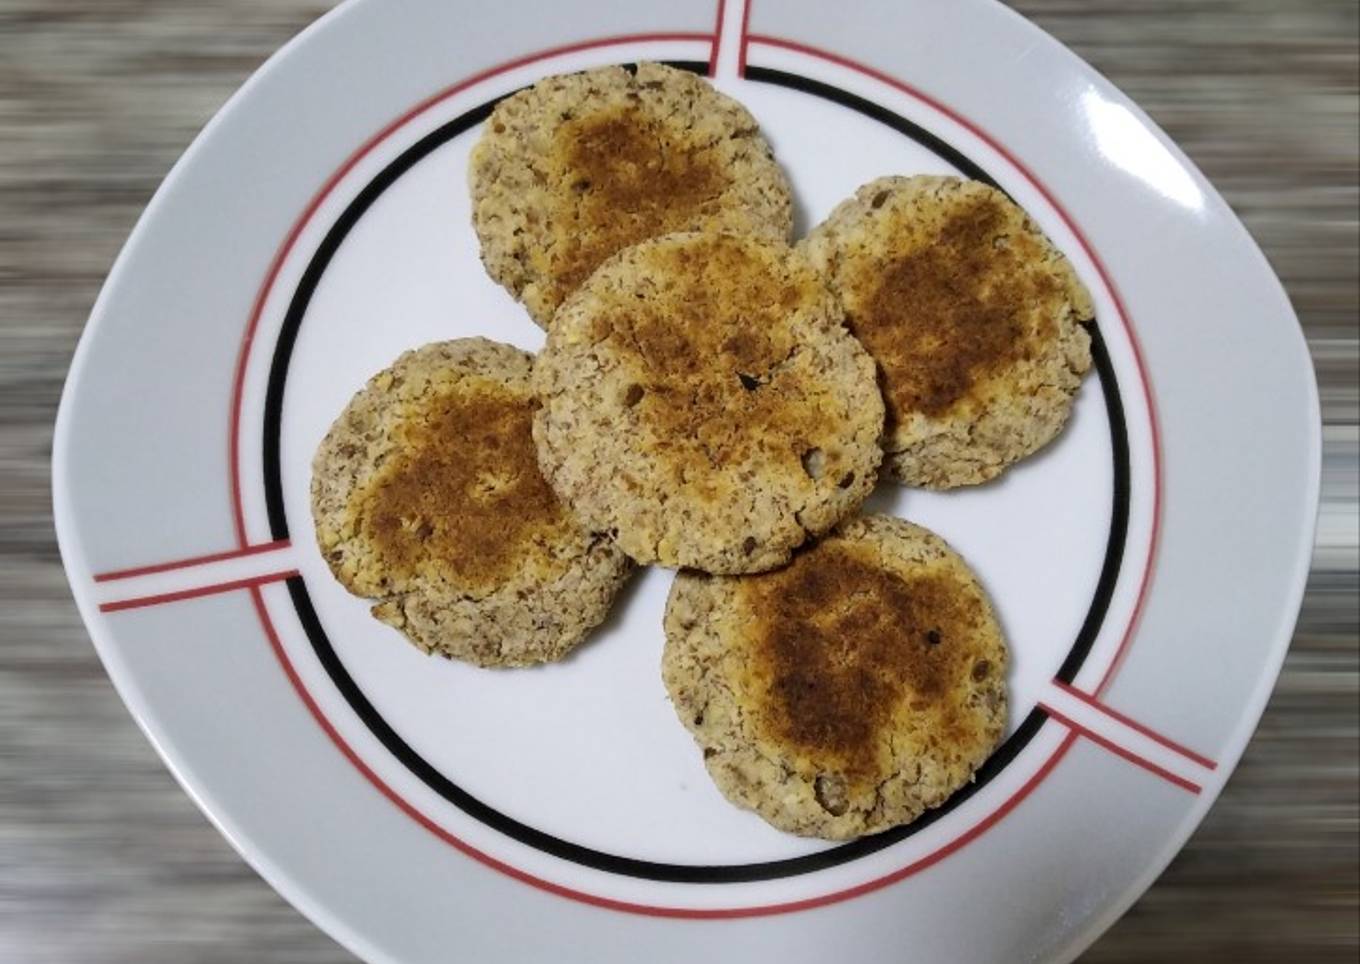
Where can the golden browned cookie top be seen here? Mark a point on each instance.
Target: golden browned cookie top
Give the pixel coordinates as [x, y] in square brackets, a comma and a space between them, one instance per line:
[847, 692]
[971, 314]
[462, 497]
[427, 497]
[842, 646]
[702, 399]
[580, 166]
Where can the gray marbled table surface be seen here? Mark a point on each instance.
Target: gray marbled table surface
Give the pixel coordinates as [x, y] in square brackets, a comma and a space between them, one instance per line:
[103, 858]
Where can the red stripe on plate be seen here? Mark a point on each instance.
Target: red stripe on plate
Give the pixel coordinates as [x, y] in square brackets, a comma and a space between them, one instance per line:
[717, 40]
[1120, 751]
[1133, 724]
[745, 37]
[139, 602]
[191, 561]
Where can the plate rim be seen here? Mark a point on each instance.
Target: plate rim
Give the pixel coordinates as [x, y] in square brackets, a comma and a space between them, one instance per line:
[297, 892]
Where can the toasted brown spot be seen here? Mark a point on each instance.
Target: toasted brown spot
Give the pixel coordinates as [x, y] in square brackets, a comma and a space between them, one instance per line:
[720, 359]
[634, 177]
[945, 310]
[842, 648]
[462, 498]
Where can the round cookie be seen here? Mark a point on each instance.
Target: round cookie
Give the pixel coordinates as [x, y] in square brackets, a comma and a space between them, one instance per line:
[579, 166]
[846, 693]
[427, 497]
[972, 315]
[703, 403]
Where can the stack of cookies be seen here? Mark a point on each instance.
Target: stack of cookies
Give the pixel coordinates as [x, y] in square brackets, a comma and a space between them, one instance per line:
[715, 400]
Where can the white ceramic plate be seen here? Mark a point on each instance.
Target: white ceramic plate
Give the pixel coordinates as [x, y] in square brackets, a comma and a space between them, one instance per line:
[1147, 567]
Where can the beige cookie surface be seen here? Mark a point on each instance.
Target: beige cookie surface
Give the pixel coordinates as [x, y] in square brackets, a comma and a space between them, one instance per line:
[702, 401]
[972, 315]
[427, 498]
[579, 166]
[846, 693]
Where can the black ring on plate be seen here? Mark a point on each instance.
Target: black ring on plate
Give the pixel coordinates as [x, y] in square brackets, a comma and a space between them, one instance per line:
[557, 847]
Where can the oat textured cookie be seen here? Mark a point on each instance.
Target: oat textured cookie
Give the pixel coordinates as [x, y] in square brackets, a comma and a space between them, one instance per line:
[846, 693]
[579, 166]
[703, 402]
[972, 315]
[427, 498]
